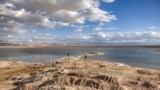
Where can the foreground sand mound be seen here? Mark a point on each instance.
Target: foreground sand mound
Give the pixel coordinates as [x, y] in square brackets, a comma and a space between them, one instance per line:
[78, 74]
[50, 80]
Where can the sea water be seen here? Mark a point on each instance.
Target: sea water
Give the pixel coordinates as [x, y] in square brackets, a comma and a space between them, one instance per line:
[136, 57]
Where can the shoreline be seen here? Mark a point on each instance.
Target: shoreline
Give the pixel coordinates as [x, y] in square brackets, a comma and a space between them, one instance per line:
[74, 73]
[81, 56]
[80, 46]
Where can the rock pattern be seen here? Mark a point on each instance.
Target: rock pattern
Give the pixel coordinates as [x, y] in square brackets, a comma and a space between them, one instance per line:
[78, 74]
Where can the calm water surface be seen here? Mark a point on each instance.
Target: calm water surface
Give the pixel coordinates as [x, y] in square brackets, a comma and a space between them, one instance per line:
[139, 57]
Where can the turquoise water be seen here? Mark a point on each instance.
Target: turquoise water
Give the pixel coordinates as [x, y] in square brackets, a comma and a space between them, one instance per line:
[137, 57]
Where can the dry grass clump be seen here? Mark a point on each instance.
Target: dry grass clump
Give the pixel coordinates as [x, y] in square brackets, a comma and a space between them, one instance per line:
[145, 72]
[78, 74]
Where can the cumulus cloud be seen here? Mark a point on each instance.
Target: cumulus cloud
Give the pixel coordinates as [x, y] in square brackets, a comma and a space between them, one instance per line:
[102, 26]
[111, 28]
[95, 14]
[108, 1]
[10, 36]
[79, 28]
[98, 38]
[153, 27]
[103, 38]
[97, 28]
[15, 31]
[51, 13]
[16, 15]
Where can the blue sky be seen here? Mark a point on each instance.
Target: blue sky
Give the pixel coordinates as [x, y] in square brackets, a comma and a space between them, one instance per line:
[80, 22]
[135, 15]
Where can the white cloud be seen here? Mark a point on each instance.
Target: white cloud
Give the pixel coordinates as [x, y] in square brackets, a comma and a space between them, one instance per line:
[9, 5]
[101, 27]
[15, 30]
[108, 1]
[111, 28]
[16, 15]
[147, 38]
[153, 27]
[101, 24]
[37, 13]
[10, 36]
[102, 34]
[95, 14]
[98, 28]
[62, 24]
[55, 5]
[99, 38]
[78, 37]
[79, 28]
[68, 16]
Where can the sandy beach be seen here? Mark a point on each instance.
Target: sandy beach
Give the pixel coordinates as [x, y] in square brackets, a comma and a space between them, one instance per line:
[75, 73]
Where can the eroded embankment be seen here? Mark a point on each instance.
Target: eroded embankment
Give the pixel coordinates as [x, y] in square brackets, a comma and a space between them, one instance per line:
[79, 74]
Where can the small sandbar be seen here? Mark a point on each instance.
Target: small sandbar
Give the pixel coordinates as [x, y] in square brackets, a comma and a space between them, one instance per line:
[94, 53]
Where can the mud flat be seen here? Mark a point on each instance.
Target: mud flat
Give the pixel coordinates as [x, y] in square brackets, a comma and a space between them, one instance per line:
[76, 74]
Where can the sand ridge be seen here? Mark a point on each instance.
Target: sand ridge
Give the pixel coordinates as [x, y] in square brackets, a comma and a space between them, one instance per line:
[78, 74]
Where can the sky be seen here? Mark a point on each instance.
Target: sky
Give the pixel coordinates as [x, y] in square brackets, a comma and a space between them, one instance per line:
[80, 22]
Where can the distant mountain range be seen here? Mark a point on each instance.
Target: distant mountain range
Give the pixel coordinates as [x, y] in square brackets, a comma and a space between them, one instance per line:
[5, 43]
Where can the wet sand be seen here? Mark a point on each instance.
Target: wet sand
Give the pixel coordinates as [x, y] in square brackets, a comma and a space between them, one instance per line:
[76, 74]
